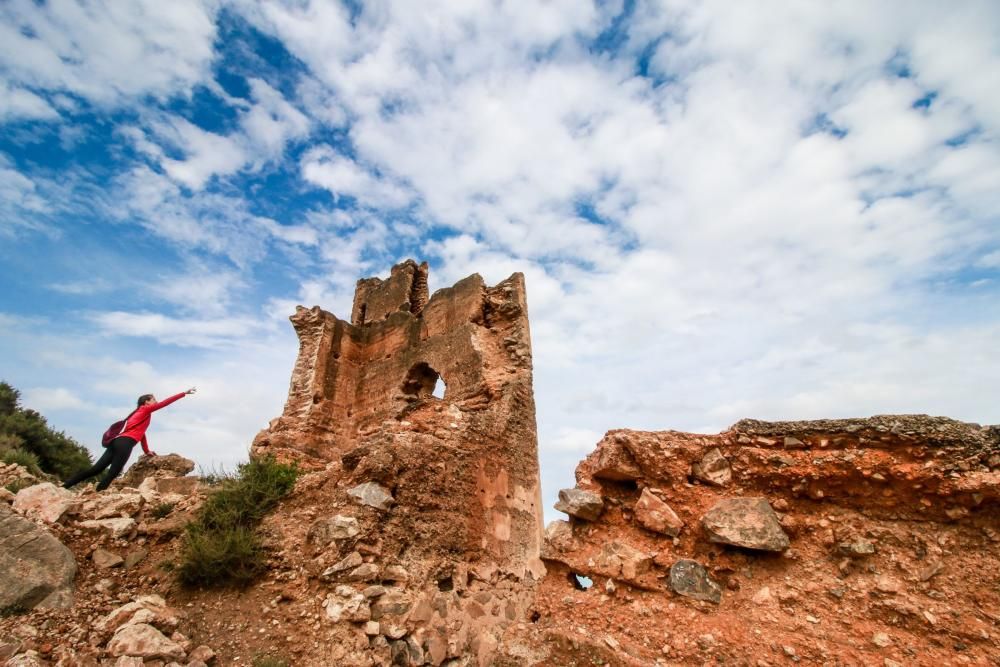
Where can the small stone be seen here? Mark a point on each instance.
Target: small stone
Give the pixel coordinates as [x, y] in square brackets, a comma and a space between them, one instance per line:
[887, 584]
[105, 559]
[351, 561]
[203, 653]
[891, 663]
[858, 548]
[713, 468]
[144, 641]
[372, 494]
[364, 572]
[690, 579]
[881, 639]
[745, 522]
[133, 558]
[339, 527]
[812, 619]
[581, 504]
[372, 628]
[656, 515]
[762, 596]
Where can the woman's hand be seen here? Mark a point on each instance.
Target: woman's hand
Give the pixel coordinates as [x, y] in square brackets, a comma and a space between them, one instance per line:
[191, 390]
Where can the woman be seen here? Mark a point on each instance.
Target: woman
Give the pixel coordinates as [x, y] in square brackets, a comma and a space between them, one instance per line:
[120, 449]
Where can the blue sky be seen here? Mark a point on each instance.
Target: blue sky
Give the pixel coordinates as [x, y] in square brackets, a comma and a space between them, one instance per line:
[772, 210]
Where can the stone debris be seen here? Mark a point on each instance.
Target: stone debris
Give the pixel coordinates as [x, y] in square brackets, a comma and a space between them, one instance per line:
[579, 503]
[157, 467]
[372, 494]
[347, 604]
[690, 579]
[36, 570]
[656, 515]
[105, 559]
[713, 468]
[113, 527]
[339, 527]
[858, 548]
[745, 522]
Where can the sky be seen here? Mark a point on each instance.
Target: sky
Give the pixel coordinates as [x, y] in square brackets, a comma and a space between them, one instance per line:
[777, 210]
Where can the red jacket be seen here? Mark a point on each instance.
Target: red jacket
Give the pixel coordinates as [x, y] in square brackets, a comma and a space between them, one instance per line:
[138, 421]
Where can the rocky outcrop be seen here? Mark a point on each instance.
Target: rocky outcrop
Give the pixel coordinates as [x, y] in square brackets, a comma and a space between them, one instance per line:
[156, 467]
[36, 570]
[45, 502]
[792, 541]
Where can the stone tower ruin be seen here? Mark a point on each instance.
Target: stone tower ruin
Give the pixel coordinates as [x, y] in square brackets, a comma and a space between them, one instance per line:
[461, 469]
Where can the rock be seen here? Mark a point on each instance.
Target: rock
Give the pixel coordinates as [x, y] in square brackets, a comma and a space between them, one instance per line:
[105, 559]
[745, 522]
[147, 609]
[339, 527]
[762, 596]
[621, 561]
[170, 465]
[365, 572]
[9, 648]
[881, 639]
[614, 461]
[656, 515]
[372, 628]
[144, 641]
[129, 661]
[6, 496]
[135, 557]
[581, 504]
[45, 502]
[26, 659]
[395, 573]
[203, 653]
[393, 603]
[558, 539]
[372, 494]
[112, 505]
[347, 604]
[858, 548]
[351, 561]
[114, 527]
[36, 569]
[690, 579]
[886, 584]
[713, 468]
[177, 486]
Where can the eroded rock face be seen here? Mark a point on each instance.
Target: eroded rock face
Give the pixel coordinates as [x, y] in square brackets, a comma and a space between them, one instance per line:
[36, 570]
[745, 522]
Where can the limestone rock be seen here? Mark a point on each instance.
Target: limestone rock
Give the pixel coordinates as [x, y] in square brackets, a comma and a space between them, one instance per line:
[129, 661]
[144, 641]
[351, 561]
[372, 494]
[202, 653]
[105, 559]
[690, 579]
[6, 496]
[27, 659]
[614, 461]
[135, 557]
[745, 522]
[114, 527]
[46, 502]
[581, 504]
[147, 609]
[109, 505]
[347, 604]
[656, 515]
[170, 465]
[339, 527]
[713, 468]
[393, 603]
[623, 561]
[36, 569]
[177, 486]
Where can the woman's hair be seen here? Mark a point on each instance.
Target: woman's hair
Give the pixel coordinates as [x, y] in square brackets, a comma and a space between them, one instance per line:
[143, 399]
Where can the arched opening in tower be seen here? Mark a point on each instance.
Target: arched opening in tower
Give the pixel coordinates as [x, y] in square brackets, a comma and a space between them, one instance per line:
[423, 381]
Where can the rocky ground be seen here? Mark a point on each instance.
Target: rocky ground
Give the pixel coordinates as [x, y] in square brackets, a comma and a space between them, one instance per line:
[852, 542]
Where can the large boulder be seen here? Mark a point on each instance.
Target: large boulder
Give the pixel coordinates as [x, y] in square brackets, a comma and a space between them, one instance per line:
[45, 502]
[745, 522]
[36, 569]
[170, 465]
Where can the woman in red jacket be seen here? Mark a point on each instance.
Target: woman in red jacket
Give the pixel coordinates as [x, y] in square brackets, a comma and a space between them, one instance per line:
[120, 449]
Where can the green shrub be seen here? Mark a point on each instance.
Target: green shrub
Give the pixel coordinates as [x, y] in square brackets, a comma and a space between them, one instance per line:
[19, 484]
[221, 545]
[21, 457]
[162, 510]
[56, 452]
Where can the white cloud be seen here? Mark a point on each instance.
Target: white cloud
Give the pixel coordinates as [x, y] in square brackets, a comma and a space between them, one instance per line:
[107, 52]
[206, 154]
[17, 103]
[44, 399]
[342, 176]
[214, 332]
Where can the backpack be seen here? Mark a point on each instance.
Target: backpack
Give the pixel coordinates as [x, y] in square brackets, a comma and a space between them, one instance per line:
[115, 430]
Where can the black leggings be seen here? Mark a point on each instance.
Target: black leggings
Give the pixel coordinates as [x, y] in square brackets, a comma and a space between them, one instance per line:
[116, 455]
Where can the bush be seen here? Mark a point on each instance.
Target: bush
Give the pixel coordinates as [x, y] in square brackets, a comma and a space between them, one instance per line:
[23, 458]
[162, 510]
[56, 452]
[221, 545]
[19, 484]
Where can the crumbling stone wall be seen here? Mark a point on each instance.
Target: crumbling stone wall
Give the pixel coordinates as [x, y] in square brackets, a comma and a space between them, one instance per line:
[829, 542]
[444, 489]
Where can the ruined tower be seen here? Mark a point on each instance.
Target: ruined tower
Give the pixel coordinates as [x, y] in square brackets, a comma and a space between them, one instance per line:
[461, 468]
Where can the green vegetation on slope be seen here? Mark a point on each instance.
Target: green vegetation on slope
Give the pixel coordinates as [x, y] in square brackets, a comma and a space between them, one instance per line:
[221, 545]
[26, 438]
